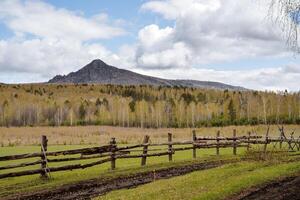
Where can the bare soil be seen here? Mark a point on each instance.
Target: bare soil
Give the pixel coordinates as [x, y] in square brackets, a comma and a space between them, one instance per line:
[282, 189]
[96, 187]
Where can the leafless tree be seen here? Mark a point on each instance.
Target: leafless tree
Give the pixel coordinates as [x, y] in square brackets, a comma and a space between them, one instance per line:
[286, 14]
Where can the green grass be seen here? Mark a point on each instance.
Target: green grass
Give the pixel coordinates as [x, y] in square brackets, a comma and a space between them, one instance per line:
[15, 185]
[218, 183]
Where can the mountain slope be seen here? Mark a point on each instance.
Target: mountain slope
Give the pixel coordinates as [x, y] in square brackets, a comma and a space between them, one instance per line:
[99, 72]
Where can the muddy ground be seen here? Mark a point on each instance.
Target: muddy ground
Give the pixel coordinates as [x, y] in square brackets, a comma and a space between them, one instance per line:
[88, 189]
[283, 189]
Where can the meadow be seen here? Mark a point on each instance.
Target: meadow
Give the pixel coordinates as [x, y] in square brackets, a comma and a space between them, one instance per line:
[9, 186]
[93, 135]
[219, 183]
[19, 140]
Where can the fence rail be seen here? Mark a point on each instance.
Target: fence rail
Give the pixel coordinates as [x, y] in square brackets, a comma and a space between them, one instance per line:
[110, 153]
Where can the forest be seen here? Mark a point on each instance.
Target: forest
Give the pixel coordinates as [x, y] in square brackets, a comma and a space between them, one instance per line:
[142, 106]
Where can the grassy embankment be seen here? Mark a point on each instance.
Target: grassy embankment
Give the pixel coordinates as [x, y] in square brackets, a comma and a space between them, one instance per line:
[218, 183]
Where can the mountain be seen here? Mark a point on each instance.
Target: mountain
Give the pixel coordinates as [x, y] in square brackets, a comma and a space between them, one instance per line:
[99, 72]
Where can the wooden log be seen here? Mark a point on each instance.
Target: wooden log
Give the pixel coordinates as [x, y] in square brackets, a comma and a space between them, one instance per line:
[87, 157]
[44, 170]
[20, 156]
[194, 146]
[280, 140]
[113, 150]
[83, 151]
[205, 147]
[170, 143]
[218, 141]
[21, 165]
[291, 147]
[170, 150]
[177, 143]
[22, 173]
[54, 169]
[144, 155]
[95, 163]
[227, 138]
[146, 140]
[139, 150]
[249, 139]
[129, 147]
[291, 141]
[252, 141]
[234, 142]
[266, 140]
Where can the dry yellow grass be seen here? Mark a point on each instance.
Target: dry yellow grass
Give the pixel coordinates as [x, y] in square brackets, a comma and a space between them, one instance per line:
[101, 134]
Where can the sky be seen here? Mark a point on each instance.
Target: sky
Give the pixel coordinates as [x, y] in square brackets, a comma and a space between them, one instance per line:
[228, 41]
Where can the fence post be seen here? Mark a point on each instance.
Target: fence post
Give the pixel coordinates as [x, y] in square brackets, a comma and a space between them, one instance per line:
[281, 140]
[170, 149]
[194, 146]
[113, 154]
[298, 143]
[218, 143]
[44, 144]
[145, 150]
[248, 145]
[290, 142]
[234, 142]
[267, 140]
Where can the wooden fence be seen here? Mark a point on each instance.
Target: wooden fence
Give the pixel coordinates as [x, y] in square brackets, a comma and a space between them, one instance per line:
[112, 152]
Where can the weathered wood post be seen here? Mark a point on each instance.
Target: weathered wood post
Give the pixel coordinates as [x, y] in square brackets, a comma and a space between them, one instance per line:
[291, 147]
[44, 144]
[266, 140]
[249, 138]
[234, 142]
[298, 141]
[218, 143]
[113, 152]
[145, 150]
[281, 140]
[194, 145]
[170, 149]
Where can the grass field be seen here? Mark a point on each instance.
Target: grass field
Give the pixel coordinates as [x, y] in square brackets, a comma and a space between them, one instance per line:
[88, 135]
[9, 186]
[218, 183]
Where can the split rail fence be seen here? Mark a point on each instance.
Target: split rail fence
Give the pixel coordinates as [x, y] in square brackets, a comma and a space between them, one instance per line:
[112, 152]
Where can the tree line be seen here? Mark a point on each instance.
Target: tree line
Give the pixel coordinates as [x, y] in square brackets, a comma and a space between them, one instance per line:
[142, 106]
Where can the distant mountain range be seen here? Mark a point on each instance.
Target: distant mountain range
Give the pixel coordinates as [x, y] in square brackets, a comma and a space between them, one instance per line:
[99, 72]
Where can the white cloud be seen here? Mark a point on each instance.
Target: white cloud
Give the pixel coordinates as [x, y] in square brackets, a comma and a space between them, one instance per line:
[158, 49]
[210, 31]
[43, 20]
[261, 79]
[48, 57]
[50, 41]
[173, 9]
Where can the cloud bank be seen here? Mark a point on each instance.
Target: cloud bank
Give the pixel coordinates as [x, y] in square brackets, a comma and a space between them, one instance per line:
[47, 40]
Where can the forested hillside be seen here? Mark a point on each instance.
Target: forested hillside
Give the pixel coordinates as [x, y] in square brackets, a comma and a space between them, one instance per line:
[142, 106]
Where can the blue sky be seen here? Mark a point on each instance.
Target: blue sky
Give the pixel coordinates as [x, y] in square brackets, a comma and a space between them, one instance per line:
[193, 39]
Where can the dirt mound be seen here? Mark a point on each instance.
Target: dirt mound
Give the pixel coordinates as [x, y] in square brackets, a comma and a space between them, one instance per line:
[284, 189]
[96, 187]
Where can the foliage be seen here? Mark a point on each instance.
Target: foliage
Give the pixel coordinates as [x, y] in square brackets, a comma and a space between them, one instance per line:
[142, 106]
